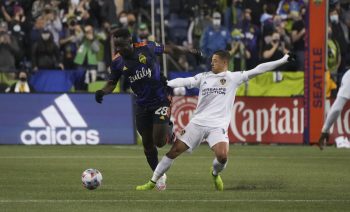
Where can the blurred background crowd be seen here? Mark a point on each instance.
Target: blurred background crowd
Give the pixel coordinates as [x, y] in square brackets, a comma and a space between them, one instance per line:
[71, 35]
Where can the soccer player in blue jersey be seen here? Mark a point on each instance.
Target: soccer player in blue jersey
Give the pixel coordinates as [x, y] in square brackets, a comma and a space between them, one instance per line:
[138, 63]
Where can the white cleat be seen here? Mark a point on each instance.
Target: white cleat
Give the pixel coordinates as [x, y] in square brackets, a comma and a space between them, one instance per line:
[161, 183]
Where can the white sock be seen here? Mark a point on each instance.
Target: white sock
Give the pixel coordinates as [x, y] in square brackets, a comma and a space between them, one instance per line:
[218, 167]
[162, 167]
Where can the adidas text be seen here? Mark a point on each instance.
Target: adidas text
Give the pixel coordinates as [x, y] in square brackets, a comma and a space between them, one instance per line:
[62, 136]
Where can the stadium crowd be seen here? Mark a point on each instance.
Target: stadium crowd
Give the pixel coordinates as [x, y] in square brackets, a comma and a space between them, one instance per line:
[75, 34]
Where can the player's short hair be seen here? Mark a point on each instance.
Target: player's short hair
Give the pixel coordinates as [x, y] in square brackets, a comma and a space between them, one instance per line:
[223, 54]
[122, 33]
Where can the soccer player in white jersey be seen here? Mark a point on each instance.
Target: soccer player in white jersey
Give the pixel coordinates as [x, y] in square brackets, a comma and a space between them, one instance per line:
[342, 97]
[217, 90]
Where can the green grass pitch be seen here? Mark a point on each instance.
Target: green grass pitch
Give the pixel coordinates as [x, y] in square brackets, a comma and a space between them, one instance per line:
[257, 178]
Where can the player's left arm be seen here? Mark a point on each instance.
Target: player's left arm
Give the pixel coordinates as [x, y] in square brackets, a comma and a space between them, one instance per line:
[269, 66]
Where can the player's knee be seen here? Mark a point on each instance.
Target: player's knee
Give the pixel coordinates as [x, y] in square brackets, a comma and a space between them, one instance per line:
[222, 158]
[161, 143]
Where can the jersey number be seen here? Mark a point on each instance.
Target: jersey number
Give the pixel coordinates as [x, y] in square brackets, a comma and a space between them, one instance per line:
[162, 111]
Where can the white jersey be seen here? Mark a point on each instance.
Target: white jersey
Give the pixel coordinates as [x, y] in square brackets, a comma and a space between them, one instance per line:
[217, 92]
[344, 90]
[216, 97]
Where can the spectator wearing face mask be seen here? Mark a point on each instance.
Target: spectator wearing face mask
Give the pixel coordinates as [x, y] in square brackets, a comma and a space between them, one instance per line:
[298, 38]
[143, 33]
[70, 39]
[339, 35]
[274, 48]
[215, 37]
[234, 15]
[251, 34]
[45, 53]
[22, 85]
[123, 19]
[9, 51]
[87, 57]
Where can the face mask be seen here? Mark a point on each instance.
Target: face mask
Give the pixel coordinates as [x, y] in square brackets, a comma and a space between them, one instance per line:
[23, 79]
[216, 22]
[334, 18]
[123, 20]
[45, 36]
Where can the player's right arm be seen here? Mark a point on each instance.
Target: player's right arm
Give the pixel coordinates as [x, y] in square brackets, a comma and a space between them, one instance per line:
[189, 82]
[116, 71]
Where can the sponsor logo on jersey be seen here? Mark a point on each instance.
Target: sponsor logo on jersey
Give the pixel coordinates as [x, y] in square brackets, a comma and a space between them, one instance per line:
[60, 123]
[144, 73]
[217, 91]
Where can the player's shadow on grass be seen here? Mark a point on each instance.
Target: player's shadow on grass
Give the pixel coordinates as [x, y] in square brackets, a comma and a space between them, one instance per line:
[247, 186]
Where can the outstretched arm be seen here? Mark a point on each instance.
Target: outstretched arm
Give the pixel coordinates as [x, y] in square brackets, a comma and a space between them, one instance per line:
[264, 67]
[189, 82]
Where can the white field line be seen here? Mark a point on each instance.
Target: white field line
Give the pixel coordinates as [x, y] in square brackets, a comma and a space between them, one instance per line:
[142, 156]
[177, 201]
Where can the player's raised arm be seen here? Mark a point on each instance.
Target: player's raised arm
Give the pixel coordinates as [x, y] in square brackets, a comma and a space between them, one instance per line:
[269, 66]
[189, 82]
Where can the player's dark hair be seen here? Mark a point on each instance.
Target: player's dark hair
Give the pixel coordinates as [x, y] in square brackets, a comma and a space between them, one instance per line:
[224, 55]
[122, 33]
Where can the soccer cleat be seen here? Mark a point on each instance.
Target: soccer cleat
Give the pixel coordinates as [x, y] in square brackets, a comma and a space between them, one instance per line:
[219, 185]
[148, 186]
[161, 183]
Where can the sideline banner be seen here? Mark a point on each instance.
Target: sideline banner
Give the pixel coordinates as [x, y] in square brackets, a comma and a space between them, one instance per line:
[65, 119]
[261, 119]
[315, 70]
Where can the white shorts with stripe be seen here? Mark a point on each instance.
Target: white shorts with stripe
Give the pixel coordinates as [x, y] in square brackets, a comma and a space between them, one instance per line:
[193, 135]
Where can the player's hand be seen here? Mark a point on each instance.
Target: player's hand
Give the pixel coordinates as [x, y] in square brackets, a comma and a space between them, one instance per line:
[291, 57]
[323, 139]
[99, 96]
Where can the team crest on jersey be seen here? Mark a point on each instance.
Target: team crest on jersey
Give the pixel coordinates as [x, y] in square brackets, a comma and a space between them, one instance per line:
[223, 81]
[142, 58]
[182, 132]
[125, 68]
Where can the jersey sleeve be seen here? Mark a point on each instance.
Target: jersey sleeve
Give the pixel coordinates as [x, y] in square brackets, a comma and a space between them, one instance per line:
[239, 77]
[155, 47]
[117, 67]
[189, 82]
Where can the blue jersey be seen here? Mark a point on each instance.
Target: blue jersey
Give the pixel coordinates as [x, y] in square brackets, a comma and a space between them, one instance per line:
[143, 72]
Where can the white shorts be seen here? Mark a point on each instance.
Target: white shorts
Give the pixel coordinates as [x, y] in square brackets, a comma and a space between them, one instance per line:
[193, 135]
[344, 90]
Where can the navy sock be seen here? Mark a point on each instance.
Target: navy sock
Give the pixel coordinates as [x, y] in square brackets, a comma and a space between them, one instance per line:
[152, 158]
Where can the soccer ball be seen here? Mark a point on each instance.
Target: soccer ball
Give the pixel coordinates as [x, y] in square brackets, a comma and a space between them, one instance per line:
[91, 178]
